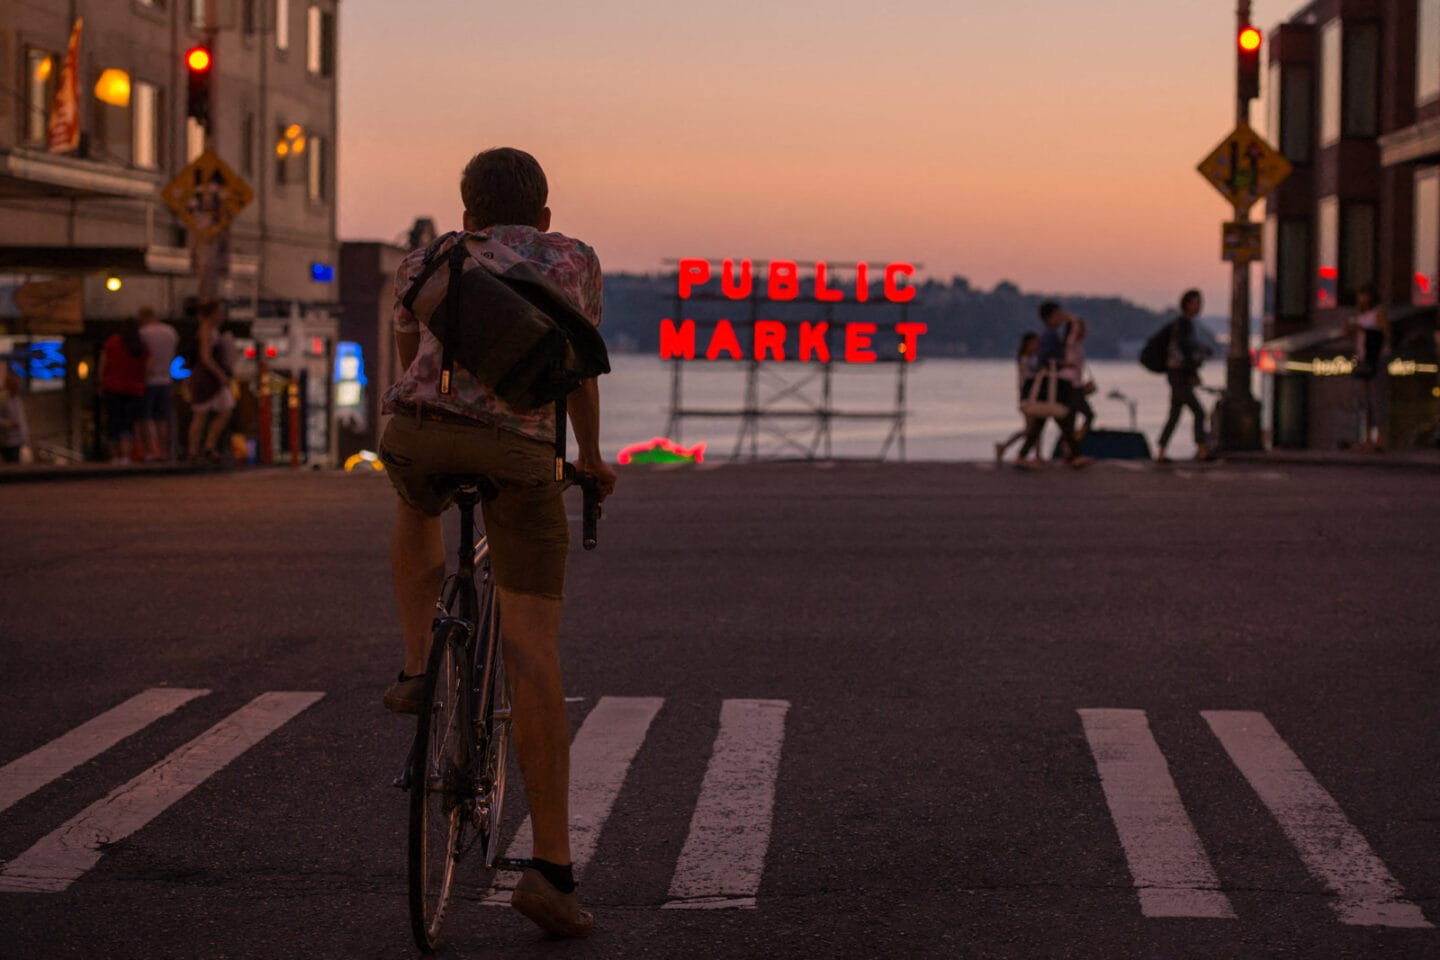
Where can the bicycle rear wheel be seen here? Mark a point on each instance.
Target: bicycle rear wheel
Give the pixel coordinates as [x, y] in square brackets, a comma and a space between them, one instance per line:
[440, 790]
[493, 736]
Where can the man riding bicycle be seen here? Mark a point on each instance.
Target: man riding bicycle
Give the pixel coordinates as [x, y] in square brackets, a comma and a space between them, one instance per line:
[448, 422]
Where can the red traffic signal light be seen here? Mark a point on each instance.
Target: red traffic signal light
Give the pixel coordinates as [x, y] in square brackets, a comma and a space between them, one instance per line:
[1248, 42]
[198, 61]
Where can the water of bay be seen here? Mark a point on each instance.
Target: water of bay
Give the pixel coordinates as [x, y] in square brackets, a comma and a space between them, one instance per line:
[956, 408]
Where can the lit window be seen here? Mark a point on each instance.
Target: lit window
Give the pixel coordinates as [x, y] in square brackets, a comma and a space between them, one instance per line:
[317, 184]
[194, 139]
[41, 68]
[198, 17]
[1330, 76]
[1427, 237]
[282, 24]
[111, 135]
[145, 124]
[320, 42]
[1427, 53]
[1327, 253]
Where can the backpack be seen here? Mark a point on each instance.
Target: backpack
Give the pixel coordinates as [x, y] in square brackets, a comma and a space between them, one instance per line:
[1155, 355]
[501, 319]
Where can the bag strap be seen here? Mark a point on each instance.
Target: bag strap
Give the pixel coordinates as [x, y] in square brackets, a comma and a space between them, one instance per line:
[456, 259]
[428, 266]
[560, 427]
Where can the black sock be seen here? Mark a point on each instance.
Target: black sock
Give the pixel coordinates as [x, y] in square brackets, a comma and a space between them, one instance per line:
[562, 878]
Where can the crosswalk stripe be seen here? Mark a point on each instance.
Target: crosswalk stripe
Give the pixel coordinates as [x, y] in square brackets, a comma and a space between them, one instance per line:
[724, 855]
[600, 757]
[1327, 842]
[23, 776]
[1172, 873]
[64, 855]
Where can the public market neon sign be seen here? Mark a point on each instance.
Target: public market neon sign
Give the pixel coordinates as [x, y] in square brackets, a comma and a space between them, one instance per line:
[781, 283]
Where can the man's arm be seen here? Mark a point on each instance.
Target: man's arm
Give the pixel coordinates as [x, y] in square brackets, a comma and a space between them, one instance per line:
[583, 405]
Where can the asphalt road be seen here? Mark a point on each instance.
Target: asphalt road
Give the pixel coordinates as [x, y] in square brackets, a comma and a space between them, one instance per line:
[933, 633]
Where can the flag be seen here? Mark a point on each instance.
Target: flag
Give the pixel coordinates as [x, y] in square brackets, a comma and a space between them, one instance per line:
[65, 110]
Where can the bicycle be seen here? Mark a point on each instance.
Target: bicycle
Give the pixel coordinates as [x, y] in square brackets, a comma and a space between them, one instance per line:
[455, 773]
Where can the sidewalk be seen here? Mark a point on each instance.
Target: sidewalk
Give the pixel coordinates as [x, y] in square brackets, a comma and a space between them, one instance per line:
[1394, 459]
[37, 472]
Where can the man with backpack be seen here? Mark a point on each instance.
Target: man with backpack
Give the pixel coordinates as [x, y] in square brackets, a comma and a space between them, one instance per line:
[1183, 356]
[449, 420]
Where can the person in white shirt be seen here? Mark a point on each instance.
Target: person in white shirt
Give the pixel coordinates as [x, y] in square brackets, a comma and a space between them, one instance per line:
[157, 411]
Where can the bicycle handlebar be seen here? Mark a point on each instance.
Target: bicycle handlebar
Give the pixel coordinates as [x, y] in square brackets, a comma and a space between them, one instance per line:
[591, 500]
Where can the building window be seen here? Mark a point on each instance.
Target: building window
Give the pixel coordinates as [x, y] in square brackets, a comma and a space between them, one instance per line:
[1330, 83]
[320, 42]
[41, 68]
[111, 136]
[145, 124]
[247, 17]
[1327, 253]
[282, 24]
[1357, 246]
[318, 181]
[290, 146]
[1427, 52]
[1424, 290]
[194, 139]
[1361, 108]
[247, 145]
[1292, 267]
[198, 17]
[1290, 110]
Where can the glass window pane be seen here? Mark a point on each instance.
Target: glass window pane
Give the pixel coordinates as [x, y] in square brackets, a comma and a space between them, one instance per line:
[194, 139]
[40, 70]
[1327, 253]
[1296, 115]
[1292, 289]
[145, 107]
[1362, 80]
[1330, 83]
[282, 24]
[316, 181]
[312, 40]
[1427, 236]
[1357, 255]
[1427, 52]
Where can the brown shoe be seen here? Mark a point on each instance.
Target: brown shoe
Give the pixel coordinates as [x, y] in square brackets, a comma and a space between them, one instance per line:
[558, 914]
[405, 694]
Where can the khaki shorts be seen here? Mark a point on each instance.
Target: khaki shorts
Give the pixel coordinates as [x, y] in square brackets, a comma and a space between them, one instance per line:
[529, 536]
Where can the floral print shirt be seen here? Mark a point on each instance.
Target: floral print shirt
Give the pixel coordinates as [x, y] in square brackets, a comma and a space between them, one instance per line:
[567, 263]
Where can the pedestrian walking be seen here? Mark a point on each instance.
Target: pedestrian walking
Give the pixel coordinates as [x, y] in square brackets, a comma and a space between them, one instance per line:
[1183, 358]
[1049, 358]
[122, 388]
[1370, 329]
[1075, 372]
[14, 431]
[210, 384]
[157, 412]
[1025, 368]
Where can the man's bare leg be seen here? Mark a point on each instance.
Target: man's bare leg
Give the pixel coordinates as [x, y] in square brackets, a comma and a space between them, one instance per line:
[417, 567]
[531, 626]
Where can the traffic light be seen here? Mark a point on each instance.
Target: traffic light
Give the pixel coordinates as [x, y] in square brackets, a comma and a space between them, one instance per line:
[198, 65]
[1247, 49]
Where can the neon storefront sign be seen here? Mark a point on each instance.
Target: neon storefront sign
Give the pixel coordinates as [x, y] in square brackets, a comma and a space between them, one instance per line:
[776, 340]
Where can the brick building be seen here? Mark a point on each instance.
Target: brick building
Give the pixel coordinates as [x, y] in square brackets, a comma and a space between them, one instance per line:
[84, 237]
[1353, 98]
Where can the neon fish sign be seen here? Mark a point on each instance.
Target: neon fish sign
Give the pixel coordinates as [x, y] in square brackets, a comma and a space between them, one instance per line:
[661, 450]
[782, 283]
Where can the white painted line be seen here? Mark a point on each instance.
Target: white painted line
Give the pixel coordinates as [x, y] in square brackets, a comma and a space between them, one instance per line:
[1171, 871]
[23, 776]
[724, 855]
[600, 757]
[1331, 847]
[64, 855]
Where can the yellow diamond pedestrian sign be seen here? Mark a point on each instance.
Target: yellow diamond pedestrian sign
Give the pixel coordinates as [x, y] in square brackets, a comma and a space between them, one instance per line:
[207, 195]
[1244, 167]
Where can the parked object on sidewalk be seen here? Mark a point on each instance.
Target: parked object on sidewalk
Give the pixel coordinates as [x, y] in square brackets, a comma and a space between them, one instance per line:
[1112, 445]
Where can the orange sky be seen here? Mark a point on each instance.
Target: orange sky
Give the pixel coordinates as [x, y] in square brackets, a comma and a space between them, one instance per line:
[1036, 141]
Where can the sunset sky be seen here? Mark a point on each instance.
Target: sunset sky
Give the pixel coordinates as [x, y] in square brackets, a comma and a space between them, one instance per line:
[1046, 142]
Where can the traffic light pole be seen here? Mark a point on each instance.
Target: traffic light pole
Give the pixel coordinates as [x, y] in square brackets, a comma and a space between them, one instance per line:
[1238, 412]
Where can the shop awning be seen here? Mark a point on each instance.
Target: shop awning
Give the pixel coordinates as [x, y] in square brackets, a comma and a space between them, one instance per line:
[1420, 141]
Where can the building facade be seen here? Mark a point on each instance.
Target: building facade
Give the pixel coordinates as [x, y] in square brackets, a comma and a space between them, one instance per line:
[85, 239]
[1353, 101]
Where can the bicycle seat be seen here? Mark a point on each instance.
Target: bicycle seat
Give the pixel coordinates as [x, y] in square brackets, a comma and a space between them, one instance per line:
[457, 484]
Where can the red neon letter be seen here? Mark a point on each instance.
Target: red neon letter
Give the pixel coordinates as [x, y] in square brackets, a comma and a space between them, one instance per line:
[769, 337]
[909, 333]
[857, 343]
[823, 293]
[693, 272]
[724, 339]
[862, 282]
[728, 286]
[812, 341]
[677, 343]
[784, 280]
[893, 291]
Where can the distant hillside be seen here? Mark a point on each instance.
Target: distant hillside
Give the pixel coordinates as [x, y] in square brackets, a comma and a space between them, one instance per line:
[963, 321]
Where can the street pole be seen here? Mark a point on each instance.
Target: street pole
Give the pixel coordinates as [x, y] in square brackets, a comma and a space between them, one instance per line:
[1239, 412]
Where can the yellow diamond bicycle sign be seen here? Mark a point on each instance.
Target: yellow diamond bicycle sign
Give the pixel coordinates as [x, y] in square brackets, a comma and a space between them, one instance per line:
[207, 195]
[1244, 168]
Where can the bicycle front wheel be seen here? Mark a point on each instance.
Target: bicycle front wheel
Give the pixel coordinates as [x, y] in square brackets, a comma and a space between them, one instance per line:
[439, 787]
